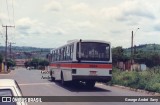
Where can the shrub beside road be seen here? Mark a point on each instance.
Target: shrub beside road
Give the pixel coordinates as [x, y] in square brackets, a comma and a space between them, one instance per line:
[37, 63]
[147, 80]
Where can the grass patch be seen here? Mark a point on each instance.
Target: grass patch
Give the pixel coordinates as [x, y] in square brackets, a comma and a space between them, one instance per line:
[147, 80]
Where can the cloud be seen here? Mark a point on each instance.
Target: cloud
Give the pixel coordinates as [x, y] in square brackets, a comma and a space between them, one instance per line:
[72, 26]
[53, 6]
[3, 18]
[141, 12]
[116, 31]
[129, 12]
[84, 24]
[82, 8]
[157, 26]
[137, 8]
[64, 20]
[27, 26]
[25, 22]
[59, 31]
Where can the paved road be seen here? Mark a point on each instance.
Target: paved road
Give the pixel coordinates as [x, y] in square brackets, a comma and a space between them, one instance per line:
[32, 84]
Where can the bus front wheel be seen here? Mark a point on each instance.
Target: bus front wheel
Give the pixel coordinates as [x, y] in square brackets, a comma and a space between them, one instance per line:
[51, 75]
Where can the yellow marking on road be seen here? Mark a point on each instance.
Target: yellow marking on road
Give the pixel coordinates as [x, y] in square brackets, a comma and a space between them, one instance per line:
[27, 84]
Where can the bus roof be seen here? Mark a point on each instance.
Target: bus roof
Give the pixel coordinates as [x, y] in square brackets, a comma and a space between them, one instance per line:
[72, 41]
[76, 40]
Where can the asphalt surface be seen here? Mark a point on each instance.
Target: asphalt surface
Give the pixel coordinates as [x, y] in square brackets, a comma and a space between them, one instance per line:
[36, 83]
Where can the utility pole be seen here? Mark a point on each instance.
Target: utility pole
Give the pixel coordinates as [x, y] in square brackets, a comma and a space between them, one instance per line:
[132, 48]
[10, 49]
[132, 55]
[5, 59]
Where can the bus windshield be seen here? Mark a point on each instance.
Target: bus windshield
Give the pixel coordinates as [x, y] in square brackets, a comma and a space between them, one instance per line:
[93, 51]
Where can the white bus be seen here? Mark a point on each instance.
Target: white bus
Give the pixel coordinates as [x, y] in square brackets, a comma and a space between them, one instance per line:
[86, 61]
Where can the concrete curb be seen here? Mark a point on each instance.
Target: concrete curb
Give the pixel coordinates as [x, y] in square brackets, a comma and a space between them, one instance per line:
[138, 90]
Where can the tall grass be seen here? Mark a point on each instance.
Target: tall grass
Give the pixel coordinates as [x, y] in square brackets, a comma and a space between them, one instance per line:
[147, 80]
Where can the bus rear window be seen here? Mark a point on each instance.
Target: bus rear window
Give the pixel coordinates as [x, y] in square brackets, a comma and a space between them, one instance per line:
[94, 51]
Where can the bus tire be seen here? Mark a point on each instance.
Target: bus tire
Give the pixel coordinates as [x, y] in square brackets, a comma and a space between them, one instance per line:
[52, 78]
[90, 84]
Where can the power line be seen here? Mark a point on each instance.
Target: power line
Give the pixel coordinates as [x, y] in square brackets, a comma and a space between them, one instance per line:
[13, 32]
[13, 12]
[2, 36]
[6, 46]
[0, 11]
[10, 50]
[8, 11]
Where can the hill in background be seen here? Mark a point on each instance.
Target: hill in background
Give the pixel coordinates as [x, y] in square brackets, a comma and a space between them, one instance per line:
[22, 52]
[25, 49]
[26, 52]
[144, 47]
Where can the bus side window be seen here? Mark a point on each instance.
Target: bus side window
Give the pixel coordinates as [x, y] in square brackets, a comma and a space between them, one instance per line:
[65, 54]
[52, 57]
[58, 54]
[68, 53]
[107, 52]
[61, 54]
[71, 52]
[55, 55]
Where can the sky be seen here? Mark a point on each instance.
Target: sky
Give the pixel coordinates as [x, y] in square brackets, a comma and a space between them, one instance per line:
[51, 23]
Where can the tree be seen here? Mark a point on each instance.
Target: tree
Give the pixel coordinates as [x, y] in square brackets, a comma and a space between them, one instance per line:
[27, 64]
[140, 57]
[153, 59]
[118, 55]
[149, 58]
[37, 63]
[44, 63]
[34, 62]
[10, 63]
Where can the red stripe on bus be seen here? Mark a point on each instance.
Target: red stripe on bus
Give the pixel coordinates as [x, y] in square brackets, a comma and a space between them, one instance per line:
[72, 65]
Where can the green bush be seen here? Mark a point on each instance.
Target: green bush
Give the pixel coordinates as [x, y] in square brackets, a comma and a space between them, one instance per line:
[10, 63]
[154, 84]
[148, 80]
[125, 78]
[37, 63]
[144, 78]
[129, 79]
[116, 78]
[156, 87]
